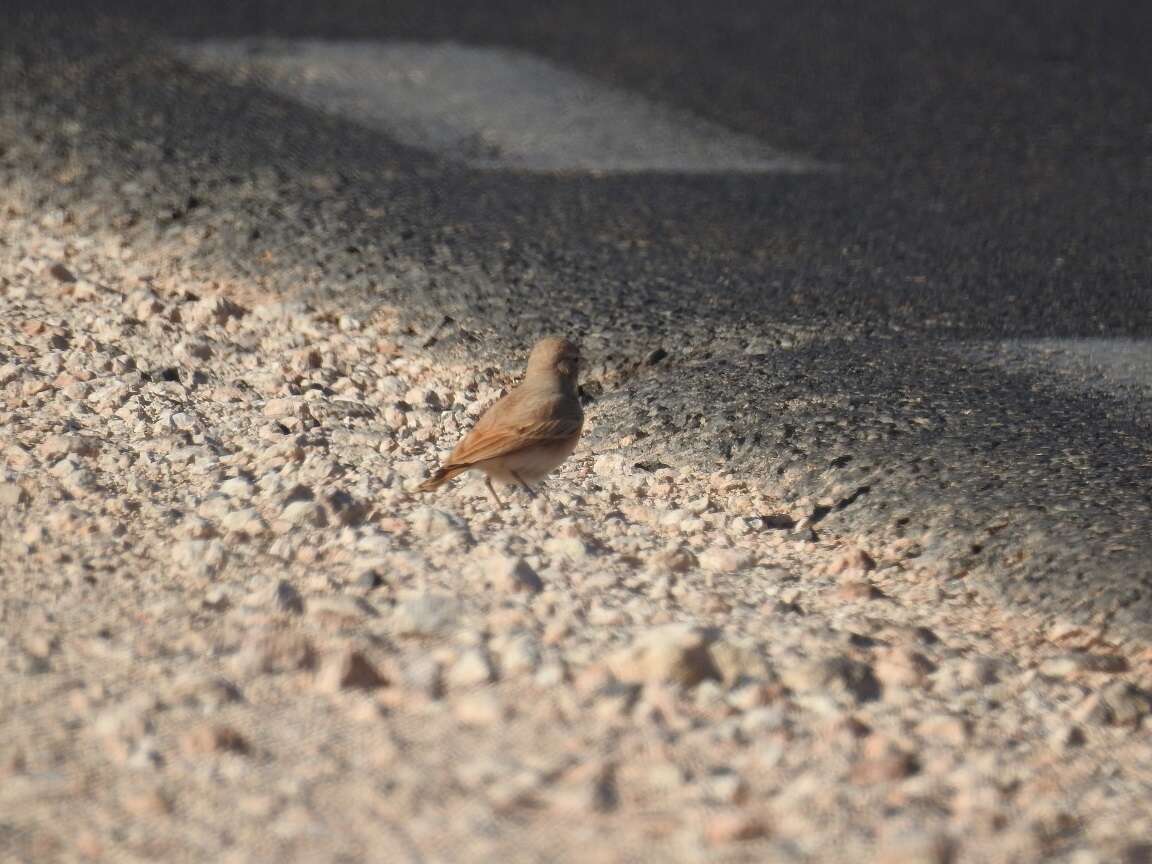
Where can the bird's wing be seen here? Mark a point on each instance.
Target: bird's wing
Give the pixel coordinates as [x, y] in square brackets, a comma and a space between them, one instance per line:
[494, 439]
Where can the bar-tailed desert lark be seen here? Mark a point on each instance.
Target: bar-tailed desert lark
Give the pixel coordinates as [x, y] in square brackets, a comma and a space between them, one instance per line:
[528, 432]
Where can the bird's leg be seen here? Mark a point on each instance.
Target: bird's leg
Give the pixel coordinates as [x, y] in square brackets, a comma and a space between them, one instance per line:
[492, 492]
[531, 492]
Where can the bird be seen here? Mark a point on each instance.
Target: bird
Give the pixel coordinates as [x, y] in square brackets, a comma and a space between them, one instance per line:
[527, 433]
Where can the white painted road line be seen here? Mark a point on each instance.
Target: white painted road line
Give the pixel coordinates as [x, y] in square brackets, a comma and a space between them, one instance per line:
[1122, 367]
[491, 108]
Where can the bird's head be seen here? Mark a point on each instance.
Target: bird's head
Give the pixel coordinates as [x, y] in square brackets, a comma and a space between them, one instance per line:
[555, 356]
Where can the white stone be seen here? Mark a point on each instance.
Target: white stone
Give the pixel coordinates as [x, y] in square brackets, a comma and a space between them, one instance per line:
[471, 669]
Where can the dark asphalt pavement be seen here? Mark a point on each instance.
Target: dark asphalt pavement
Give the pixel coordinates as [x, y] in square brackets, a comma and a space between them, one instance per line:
[995, 184]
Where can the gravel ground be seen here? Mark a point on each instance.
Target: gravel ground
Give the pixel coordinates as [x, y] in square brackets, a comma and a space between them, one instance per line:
[231, 632]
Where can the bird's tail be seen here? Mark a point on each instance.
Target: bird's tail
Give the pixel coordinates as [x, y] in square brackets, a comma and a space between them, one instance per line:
[442, 476]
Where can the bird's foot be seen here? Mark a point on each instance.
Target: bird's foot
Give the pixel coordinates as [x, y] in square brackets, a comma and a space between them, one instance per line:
[531, 492]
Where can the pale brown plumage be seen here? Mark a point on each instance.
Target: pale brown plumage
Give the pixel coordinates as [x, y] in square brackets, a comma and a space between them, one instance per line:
[530, 431]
